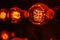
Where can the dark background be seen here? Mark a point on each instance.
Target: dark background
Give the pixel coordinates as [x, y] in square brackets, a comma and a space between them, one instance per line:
[25, 28]
[25, 4]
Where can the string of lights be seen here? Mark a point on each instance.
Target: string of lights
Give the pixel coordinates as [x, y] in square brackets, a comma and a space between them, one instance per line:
[38, 14]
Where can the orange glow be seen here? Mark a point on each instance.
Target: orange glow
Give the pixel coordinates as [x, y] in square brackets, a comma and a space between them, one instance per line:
[8, 15]
[15, 15]
[4, 36]
[26, 14]
[50, 14]
[37, 13]
[20, 39]
[51, 38]
[3, 15]
[12, 34]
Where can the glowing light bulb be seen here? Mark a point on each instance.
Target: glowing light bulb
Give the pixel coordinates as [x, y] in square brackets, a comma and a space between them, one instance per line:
[3, 14]
[51, 38]
[12, 34]
[4, 36]
[15, 14]
[26, 13]
[37, 13]
[50, 14]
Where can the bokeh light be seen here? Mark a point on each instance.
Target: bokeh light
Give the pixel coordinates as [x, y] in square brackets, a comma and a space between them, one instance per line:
[26, 13]
[50, 14]
[20, 38]
[12, 34]
[37, 13]
[3, 14]
[5, 35]
[15, 14]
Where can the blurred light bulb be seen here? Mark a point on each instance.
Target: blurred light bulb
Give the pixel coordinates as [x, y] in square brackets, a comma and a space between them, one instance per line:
[51, 38]
[37, 13]
[50, 14]
[4, 35]
[26, 13]
[3, 14]
[15, 14]
[12, 34]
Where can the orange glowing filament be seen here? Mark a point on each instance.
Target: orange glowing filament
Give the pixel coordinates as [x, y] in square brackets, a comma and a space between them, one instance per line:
[2, 15]
[15, 15]
[4, 36]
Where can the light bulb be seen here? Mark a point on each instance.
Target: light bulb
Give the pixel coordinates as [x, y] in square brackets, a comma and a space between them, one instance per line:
[3, 14]
[15, 14]
[37, 13]
[4, 35]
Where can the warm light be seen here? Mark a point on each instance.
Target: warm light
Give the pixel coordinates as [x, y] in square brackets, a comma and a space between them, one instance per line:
[26, 13]
[53, 38]
[50, 14]
[15, 15]
[8, 15]
[2, 15]
[37, 14]
[20, 39]
[12, 34]
[4, 36]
